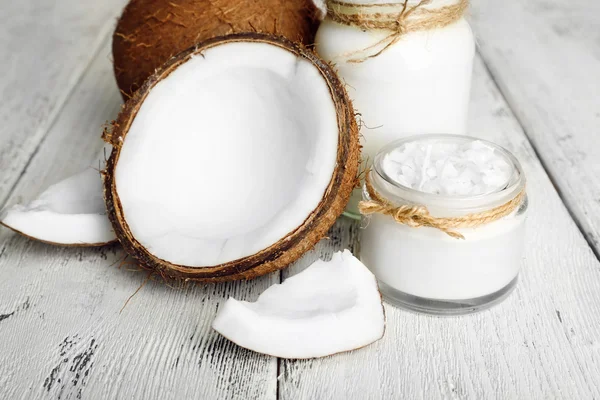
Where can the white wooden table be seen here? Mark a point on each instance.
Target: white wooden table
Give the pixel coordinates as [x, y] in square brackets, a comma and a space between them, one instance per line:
[536, 90]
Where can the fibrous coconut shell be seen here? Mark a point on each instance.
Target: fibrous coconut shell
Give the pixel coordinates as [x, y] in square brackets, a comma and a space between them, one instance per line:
[150, 32]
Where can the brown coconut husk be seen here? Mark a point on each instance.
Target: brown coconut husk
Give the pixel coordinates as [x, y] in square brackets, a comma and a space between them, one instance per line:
[288, 249]
[150, 32]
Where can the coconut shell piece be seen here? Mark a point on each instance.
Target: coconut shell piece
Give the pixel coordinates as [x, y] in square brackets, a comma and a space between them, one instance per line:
[150, 32]
[289, 248]
[329, 308]
[68, 213]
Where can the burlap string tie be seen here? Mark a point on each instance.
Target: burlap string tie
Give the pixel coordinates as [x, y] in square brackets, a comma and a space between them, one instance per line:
[397, 18]
[417, 215]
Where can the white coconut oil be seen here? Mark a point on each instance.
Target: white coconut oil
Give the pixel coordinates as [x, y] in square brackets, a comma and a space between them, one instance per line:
[423, 268]
[419, 84]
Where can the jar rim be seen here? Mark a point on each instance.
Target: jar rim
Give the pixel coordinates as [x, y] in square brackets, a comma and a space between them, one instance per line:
[404, 194]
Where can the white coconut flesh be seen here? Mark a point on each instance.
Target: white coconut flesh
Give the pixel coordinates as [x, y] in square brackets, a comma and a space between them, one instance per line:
[227, 155]
[71, 212]
[328, 308]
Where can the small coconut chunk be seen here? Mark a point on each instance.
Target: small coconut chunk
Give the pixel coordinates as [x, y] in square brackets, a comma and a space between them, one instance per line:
[71, 212]
[329, 308]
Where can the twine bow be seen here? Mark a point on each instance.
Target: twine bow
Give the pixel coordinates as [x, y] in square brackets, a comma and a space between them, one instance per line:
[398, 18]
[418, 215]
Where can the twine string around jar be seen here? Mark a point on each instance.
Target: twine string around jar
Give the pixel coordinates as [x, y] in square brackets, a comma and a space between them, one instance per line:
[398, 18]
[418, 215]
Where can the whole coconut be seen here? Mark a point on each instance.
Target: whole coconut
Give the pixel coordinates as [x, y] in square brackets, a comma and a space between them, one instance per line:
[150, 32]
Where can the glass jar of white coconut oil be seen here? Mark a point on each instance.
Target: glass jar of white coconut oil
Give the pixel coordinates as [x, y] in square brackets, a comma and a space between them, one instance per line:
[444, 223]
[407, 65]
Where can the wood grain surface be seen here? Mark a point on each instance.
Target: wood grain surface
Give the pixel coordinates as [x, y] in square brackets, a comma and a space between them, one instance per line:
[46, 46]
[545, 57]
[64, 330]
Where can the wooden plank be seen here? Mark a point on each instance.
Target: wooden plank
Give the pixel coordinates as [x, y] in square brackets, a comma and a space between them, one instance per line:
[46, 47]
[59, 308]
[61, 329]
[545, 57]
[74, 140]
[542, 342]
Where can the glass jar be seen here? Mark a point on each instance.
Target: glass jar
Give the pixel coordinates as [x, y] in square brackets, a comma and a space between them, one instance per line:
[420, 83]
[425, 269]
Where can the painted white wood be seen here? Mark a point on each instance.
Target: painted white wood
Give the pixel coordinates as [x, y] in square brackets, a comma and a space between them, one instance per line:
[74, 140]
[542, 342]
[61, 331]
[62, 334]
[545, 57]
[45, 46]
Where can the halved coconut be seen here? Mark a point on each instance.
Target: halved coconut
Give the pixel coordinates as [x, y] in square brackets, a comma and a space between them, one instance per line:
[233, 160]
[328, 308]
[71, 213]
